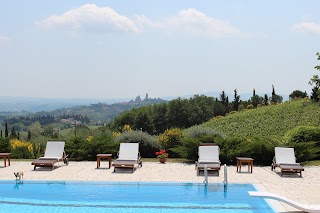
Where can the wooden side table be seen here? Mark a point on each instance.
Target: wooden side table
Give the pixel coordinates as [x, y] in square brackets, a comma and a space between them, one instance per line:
[241, 160]
[5, 156]
[104, 156]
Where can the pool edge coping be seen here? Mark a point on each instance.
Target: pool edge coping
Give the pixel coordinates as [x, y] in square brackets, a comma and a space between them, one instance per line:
[275, 205]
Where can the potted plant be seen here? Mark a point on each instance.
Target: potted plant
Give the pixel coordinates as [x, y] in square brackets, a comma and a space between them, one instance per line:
[162, 156]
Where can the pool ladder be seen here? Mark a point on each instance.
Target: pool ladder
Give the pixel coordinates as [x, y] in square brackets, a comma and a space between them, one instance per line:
[225, 172]
[205, 174]
[225, 177]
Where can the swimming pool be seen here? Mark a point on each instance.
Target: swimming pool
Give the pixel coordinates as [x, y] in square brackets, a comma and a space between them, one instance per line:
[68, 196]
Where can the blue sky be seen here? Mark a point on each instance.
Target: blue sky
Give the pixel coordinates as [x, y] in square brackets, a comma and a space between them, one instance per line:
[121, 49]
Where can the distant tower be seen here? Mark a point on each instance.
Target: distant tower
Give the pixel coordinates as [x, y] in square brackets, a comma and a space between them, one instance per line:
[138, 99]
[147, 97]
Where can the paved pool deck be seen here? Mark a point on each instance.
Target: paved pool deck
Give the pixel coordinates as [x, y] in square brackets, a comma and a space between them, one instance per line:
[305, 190]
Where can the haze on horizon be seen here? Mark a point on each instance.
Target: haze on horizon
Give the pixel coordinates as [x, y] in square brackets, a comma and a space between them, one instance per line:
[121, 49]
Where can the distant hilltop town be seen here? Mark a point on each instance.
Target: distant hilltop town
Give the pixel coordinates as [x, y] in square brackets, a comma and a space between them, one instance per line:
[146, 99]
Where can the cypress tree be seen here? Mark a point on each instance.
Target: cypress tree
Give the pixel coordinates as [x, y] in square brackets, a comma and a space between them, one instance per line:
[6, 133]
[266, 100]
[273, 91]
[13, 133]
[236, 101]
[29, 135]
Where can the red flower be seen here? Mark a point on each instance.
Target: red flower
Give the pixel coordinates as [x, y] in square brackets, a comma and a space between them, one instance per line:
[157, 153]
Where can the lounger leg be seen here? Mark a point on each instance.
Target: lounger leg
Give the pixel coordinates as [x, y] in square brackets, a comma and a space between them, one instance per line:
[34, 168]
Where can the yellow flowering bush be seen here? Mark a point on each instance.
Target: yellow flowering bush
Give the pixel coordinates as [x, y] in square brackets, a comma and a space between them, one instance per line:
[126, 128]
[21, 149]
[116, 134]
[89, 138]
[170, 137]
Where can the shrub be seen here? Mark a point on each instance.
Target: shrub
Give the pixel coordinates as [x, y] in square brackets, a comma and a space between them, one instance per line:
[303, 134]
[148, 144]
[306, 141]
[250, 106]
[4, 145]
[197, 131]
[170, 138]
[21, 149]
[189, 145]
[261, 151]
[88, 148]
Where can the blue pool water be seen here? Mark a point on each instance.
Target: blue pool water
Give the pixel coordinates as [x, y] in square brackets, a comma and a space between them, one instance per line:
[60, 196]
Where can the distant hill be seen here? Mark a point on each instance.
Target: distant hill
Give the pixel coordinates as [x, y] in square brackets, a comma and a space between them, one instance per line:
[98, 114]
[104, 113]
[29, 104]
[268, 121]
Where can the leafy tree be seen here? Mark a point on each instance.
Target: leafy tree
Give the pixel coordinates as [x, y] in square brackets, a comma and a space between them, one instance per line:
[159, 117]
[219, 109]
[142, 120]
[315, 80]
[36, 129]
[223, 98]
[275, 98]
[255, 100]
[297, 94]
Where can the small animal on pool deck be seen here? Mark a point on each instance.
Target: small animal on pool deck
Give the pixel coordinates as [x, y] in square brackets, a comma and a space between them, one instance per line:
[19, 175]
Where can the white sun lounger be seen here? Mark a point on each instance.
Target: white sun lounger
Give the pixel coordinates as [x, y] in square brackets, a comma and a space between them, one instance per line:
[208, 155]
[54, 153]
[128, 156]
[285, 159]
[303, 207]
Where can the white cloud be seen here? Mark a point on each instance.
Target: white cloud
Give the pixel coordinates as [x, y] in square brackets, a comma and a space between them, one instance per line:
[196, 22]
[4, 39]
[308, 27]
[92, 18]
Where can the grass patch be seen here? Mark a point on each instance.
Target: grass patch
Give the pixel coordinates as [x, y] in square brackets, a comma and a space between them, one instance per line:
[311, 163]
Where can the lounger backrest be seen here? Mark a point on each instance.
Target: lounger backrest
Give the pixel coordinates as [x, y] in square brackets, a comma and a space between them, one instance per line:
[129, 151]
[284, 155]
[208, 154]
[54, 149]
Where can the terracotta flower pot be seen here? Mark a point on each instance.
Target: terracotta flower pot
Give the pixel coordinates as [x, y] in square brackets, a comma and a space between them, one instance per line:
[162, 160]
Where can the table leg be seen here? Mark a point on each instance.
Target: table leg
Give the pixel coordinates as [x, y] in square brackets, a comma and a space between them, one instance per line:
[237, 165]
[5, 161]
[240, 163]
[9, 159]
[98, 162]
[109, 163]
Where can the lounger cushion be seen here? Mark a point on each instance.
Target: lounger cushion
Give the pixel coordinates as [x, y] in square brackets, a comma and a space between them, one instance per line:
[208, 154]
[54, 149]
[284, 155]
[129, 151]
